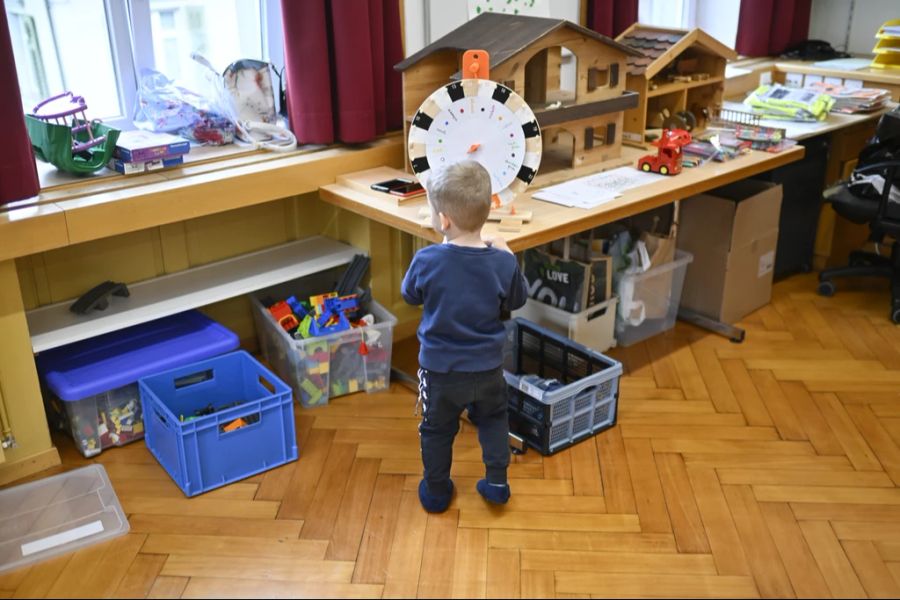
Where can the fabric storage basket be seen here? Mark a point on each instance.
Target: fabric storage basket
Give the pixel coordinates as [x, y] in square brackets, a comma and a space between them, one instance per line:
[585, 405]
[249, 427]
[328, 366]
[90, 387]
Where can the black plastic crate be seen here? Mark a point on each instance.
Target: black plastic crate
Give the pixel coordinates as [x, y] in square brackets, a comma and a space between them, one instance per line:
[550, 421]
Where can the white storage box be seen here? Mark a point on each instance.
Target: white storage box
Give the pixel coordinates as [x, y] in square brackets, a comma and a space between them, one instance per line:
[649, 300]
[328, 366]
[593, 328]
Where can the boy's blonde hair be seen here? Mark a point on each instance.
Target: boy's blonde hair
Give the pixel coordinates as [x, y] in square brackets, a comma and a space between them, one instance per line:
[462, 191]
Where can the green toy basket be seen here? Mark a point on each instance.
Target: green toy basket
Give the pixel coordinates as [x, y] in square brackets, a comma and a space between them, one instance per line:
[53, 144]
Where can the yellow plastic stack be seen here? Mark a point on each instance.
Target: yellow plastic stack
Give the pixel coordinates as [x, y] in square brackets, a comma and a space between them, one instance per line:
[887, 48]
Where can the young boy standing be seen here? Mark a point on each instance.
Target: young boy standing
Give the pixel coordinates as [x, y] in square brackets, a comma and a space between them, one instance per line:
[464, 284]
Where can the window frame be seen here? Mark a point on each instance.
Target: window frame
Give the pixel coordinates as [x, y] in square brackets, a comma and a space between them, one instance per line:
[131, 47]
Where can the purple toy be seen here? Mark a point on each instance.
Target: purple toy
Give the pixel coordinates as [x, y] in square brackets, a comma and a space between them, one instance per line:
[67, 104]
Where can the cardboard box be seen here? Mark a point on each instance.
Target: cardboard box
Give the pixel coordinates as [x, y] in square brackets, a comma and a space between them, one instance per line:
[567, 284]
[732, 232]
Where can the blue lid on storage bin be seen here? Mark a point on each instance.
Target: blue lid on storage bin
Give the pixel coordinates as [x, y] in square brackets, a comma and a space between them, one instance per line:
[121, 357]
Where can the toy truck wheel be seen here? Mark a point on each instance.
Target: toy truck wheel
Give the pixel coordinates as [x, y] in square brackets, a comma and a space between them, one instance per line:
[664, 170]
[645, 167]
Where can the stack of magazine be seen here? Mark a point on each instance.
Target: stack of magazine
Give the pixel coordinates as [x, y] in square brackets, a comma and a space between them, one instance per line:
[849, 100]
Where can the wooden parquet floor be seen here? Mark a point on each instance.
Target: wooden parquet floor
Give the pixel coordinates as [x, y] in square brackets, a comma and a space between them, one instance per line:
[769, 468]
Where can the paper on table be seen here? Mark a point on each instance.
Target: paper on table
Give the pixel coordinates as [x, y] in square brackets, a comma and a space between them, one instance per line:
[844, 64]
[594, 190]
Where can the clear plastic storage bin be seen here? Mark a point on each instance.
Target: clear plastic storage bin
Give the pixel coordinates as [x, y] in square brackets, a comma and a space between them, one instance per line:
[328, 366]
[58, 514]
[90, 387]
[648, 301]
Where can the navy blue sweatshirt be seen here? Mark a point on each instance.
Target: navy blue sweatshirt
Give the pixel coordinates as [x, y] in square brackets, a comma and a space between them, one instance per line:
[463, 291]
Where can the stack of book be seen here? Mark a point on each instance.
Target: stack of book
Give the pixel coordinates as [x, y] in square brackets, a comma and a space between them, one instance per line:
[849, 100]
[140, 151]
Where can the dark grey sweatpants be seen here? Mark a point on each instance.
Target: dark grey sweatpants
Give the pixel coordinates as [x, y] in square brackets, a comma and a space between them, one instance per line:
[444, 396]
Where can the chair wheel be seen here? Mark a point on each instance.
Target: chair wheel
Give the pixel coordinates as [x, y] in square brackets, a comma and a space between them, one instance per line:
[895, 315]
[826, 288]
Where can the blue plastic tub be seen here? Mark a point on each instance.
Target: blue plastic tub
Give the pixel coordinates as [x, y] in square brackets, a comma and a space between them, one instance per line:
[91, 386]
[204, 452]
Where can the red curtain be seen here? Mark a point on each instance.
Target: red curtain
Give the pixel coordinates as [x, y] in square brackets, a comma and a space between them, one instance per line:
[18, 174]
[612, 17]
[339, 57]
[769, 27]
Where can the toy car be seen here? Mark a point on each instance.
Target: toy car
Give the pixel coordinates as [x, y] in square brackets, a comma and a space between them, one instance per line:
[667, 160]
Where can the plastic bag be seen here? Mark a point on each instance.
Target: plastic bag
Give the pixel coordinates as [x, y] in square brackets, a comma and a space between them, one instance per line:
[245, 93]
[629, 258]
[166, 107]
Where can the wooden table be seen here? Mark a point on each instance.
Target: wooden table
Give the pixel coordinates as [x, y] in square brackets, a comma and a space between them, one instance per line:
[874, 78]
[552, 221]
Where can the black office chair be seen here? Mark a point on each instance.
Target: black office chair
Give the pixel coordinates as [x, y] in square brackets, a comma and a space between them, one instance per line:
[861, 201]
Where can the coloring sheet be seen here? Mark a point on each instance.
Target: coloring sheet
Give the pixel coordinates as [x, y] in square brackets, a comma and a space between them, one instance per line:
[594, 190]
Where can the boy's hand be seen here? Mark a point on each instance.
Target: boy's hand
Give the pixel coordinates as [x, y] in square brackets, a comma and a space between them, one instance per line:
[497, 242]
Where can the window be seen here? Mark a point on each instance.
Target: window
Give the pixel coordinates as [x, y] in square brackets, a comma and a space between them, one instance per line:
[96, 48]
[56, 50]
[719, 18]
[220, 30]
[597, 78]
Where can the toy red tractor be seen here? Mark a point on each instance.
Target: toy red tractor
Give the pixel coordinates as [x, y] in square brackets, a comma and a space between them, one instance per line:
[667, 160]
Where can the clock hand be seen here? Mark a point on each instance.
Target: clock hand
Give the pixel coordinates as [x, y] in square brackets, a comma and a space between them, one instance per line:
[473, 148]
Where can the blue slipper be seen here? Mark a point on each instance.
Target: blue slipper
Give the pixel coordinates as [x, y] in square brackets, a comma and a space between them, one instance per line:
[495, 493]
[435, 503]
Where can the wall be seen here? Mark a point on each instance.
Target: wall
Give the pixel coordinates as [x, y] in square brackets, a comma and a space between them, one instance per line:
[829, 20]
[719, 19]
[427, 20]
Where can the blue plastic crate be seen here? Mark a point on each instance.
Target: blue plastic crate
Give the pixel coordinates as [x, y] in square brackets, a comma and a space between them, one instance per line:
[204, 453]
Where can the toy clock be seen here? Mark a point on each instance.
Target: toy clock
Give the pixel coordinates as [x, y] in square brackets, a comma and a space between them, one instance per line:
[477, 119]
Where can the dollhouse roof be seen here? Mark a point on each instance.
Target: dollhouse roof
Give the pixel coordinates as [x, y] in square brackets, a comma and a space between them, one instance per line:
[504, 36]
[658, 46]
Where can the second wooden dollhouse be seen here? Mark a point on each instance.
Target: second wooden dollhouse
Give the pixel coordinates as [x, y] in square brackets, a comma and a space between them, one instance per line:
[680, 77]
[571, 77]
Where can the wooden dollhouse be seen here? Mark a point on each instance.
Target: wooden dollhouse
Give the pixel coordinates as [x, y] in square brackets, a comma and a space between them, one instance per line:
[571, 77]
[680, 77]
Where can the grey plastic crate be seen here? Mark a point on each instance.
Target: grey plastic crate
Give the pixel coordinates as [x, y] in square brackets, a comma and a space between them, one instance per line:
[550, 421]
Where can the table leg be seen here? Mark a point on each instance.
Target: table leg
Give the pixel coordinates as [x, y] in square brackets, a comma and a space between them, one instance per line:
[735, 334]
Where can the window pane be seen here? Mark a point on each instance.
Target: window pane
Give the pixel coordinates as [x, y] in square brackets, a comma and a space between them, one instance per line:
[221, 30]
[64, 45]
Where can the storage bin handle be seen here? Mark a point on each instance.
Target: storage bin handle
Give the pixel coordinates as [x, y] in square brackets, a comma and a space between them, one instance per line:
[193, 378]
[267, 384]
[162, 419]
[232, 425]
[598, 313]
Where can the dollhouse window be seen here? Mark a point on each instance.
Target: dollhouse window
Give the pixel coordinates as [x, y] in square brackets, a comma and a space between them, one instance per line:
[550, 77]
[599, 77]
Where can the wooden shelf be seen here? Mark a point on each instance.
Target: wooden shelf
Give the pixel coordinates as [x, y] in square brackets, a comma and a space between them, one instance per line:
[55, 325]
[677, 86]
